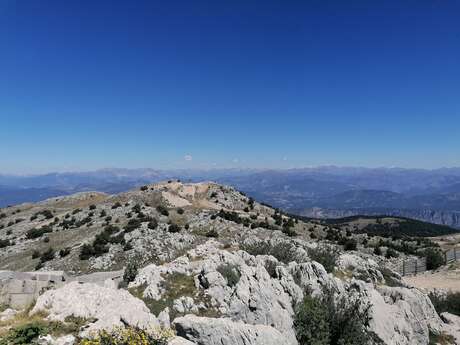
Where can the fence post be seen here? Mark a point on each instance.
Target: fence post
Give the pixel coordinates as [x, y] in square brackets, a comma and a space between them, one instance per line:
[445, 257]
[416, 266]
[455, 254]
[404, 268]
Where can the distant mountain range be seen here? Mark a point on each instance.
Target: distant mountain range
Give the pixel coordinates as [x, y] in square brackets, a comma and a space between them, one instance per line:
[429, 195]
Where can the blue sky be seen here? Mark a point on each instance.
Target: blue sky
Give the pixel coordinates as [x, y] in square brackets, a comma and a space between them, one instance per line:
[202, 84]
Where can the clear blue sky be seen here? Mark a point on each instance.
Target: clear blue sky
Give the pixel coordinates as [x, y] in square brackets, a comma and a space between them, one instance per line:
[164, 84]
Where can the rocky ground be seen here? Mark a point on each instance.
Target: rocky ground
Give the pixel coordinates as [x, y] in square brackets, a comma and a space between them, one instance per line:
[205, 265]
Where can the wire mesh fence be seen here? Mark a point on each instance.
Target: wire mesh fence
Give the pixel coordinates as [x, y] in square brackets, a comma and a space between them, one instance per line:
[413, 266]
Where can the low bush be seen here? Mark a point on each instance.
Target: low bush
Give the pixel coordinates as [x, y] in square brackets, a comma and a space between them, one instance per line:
[311, 322]
[131, 270]
[285, 252]
[231, 274]
[289, 231]
[5, 243]
[102, 241]
[24, 334]
[47, 255]
[449, 302]
[132, 225]
[116, 205]
[434, 258]
[162, 210]
[391, 253]
[129, 336]
[377, 250]
[350, 244]
[36, 233]
[332, 320]
[64, 252]
[326, 256]
[153, 224]
[174, 228]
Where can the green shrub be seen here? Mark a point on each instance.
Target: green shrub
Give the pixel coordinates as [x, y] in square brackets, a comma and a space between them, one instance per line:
[441, 338]
[434, 258]
[230, 216]
[132, 225]
[350, 244]
[326, 256]
[24, 334]
[162, 210]
[377, 250]
[116, 205]
[86, 252]
[153, 224]
[136, 208]
[5, 243]
[449, 302]
[311, 322]
[174, 228]
[231, 274]
[285, 252]
[131, 271]
[36, 233]
[289, 231]
[391, 253]
[270, 267]
[127, 246]
[144, 188]
[332, 320]
[64, 252]
[47, 255]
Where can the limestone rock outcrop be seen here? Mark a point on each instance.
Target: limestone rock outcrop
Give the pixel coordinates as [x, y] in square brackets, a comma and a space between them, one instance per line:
[223, 331]
[110, 308]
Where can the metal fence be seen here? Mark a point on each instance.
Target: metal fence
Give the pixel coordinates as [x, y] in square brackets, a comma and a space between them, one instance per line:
[452, 255]
[408, 267]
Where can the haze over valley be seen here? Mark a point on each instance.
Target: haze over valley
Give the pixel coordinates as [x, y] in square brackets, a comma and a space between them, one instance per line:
[322, 192]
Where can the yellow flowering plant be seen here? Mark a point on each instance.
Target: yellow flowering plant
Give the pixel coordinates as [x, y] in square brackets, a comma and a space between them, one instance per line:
[130, 336]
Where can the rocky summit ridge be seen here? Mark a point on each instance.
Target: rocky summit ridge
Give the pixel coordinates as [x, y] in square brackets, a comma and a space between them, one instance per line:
[203, 263]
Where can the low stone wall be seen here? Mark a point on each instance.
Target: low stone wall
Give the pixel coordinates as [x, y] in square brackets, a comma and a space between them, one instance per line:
[18, 290]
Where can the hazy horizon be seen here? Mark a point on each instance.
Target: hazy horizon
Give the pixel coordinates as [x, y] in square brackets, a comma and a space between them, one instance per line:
[240, 168]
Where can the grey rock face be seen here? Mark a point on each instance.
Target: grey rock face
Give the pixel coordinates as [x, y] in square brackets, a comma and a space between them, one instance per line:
[209, 331]
[110, 307]
[451, 326]
[180, 341]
